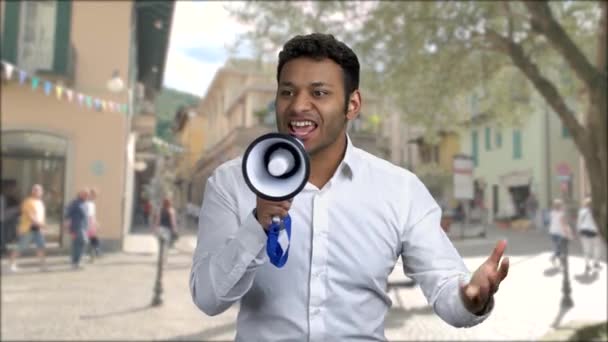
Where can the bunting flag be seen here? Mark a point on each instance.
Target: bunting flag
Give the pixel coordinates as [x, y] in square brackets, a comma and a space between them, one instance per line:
[69, 93]
[22, 76]
[9, 68]
[48, 86]
[59, 90]
[35, 81]
[164, 146]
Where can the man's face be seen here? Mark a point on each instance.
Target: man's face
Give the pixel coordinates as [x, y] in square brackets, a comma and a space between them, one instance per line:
[310, 102]
[37, 191]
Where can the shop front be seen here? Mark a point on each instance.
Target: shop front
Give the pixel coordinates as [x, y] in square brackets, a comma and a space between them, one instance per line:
[35, 157]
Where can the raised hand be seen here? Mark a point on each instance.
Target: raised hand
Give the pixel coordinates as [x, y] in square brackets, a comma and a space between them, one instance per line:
[485, 280]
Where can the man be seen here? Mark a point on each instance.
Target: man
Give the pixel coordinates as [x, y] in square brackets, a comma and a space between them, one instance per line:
[589, 236]
[77, 222]
[532, 210]
[349, 225]
[9, 213]
[31, 224]
[93, 225]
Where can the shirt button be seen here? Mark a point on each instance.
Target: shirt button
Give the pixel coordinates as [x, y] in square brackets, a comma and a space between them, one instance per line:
[315, 312]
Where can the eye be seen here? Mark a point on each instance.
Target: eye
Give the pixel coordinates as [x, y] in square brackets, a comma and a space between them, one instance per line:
[320, 93]
[285, 92]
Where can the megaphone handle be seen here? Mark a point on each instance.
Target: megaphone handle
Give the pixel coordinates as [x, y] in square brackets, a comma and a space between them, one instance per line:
[277, 220]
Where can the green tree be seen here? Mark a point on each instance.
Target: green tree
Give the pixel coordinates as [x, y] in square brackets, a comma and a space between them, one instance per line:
[167, 103]
[440, 62]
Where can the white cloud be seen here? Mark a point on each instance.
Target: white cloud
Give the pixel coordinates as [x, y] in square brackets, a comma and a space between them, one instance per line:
[204, 26]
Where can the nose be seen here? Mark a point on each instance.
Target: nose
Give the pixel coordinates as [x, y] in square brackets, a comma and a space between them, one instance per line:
[301, 103]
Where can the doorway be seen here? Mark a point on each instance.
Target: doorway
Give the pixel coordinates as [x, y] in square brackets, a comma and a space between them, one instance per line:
[29, 158]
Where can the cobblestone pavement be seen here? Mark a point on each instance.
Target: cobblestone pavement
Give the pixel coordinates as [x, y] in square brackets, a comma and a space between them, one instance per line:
[110, 299]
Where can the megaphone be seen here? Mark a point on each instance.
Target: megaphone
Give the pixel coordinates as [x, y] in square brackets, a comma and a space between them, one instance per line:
[276, 166]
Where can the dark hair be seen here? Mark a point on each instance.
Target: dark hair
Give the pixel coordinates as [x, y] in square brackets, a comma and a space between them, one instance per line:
[319, 46]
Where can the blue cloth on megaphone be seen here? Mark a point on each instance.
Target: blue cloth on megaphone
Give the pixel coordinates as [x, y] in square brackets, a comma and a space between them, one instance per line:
[273, 247]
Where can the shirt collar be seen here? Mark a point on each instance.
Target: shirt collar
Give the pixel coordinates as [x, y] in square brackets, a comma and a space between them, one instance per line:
[348, 167]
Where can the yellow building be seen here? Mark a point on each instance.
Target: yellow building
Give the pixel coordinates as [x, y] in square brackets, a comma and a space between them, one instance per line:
[435, 164]
[225, 121]
[61, 125]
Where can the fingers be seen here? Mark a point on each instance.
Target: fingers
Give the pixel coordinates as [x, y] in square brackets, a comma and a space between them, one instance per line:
[498, 252]
[267, 209]
[503, 270]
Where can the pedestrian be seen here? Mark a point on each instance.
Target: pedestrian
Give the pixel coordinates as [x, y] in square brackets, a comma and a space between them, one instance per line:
[77, 223]
[532, 210]
[31, 225]
[93, 226]
[559, 230]
[9, 213]
[166, 221]
[352, 221]
[147, 209]
[590, 239]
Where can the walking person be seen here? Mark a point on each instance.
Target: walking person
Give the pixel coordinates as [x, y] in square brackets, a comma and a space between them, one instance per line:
[166, 221]
[31, 225]
[590, 239]
[559, 230]
[532, 210]
[77, 224]
[93, 226]
[350, 224]
[10, 209]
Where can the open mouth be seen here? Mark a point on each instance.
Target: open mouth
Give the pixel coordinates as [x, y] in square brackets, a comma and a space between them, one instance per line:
[301, 129]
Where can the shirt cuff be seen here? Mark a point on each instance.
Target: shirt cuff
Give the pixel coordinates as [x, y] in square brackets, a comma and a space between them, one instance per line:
[253, 237]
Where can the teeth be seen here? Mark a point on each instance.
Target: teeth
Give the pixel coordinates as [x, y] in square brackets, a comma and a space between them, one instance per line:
[302, 123]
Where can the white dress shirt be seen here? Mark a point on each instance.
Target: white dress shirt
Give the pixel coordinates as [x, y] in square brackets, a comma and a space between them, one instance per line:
[346, 239]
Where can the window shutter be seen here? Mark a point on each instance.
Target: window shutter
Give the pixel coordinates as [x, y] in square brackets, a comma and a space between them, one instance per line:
[63, 25]
[12, 11]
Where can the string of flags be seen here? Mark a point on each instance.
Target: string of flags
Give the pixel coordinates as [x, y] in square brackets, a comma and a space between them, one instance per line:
[165, 146]
[62, 92]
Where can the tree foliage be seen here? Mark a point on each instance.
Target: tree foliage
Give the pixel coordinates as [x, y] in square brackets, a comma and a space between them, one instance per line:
[441, 62]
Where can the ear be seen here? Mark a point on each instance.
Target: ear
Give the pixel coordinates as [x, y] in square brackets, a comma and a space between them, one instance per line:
[354, 105]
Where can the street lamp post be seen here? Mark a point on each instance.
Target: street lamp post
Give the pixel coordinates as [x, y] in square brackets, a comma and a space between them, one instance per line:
[157, 300]
[566, 302]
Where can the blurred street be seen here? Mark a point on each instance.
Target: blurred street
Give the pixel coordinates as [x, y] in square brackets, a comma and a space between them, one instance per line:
[115, 116]
[110, 299]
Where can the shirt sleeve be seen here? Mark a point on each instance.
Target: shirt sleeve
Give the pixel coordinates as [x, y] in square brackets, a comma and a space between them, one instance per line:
[227, 253]
[430, 258]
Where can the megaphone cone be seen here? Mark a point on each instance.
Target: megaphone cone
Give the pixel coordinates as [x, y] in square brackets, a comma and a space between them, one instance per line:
[276, 166]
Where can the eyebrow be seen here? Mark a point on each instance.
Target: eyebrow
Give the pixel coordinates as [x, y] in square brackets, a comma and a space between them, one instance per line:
[313, 84]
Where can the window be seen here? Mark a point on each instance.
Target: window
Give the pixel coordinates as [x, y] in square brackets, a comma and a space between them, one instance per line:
[565, 132]
[475, 147]
[36, 35]
[498, 138]
[516, 144]
[488, 138]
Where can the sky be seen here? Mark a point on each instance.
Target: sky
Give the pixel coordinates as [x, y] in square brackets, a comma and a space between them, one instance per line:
[200, 32]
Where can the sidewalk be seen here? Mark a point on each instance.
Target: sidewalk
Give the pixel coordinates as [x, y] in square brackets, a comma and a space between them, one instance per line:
[110, 299]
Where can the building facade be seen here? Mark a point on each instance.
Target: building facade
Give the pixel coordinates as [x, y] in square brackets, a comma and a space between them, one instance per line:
[535, 155]
[62, 126]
